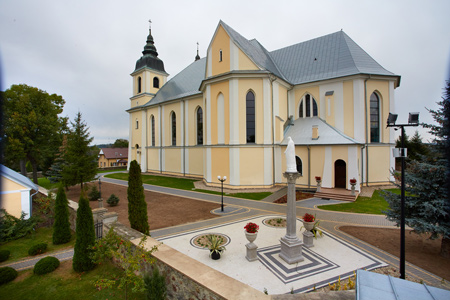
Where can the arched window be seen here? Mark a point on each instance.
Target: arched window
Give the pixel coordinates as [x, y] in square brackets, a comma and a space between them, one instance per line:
[374, 118]
[308, 107]
[173, 119]
[250, 116]
[199, 122]
[220, 55]
[299, 164]
[152, 122]
[137, 124]
[139, 84]
[156, 82]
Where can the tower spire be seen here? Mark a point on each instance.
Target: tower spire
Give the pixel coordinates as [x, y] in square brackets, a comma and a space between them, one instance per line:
[198, 56]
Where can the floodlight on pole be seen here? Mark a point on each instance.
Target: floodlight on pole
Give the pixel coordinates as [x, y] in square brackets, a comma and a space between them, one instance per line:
[413, 120]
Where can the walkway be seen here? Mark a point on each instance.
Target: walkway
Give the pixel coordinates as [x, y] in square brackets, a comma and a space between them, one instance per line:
[330, 221]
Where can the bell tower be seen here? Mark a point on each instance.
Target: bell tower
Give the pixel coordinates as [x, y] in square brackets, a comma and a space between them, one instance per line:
[149, 74]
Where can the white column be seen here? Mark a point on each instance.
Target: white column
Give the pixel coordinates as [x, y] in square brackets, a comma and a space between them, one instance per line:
[234, 112]
[208, 115]
[267, 112]
[353, 171]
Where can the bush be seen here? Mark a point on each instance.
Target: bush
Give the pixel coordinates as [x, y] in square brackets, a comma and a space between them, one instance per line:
[94, 194]
[113, 200]
[7, 274]
[155, 285]
[4, 255]
[12, 228]
[61, 227]
[37, 249]
[46, 265]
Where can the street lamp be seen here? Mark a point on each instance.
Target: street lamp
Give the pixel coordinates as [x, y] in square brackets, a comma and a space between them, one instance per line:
[413, 120]
[222, 180]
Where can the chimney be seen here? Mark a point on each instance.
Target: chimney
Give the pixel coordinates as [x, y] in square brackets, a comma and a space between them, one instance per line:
[315, 132]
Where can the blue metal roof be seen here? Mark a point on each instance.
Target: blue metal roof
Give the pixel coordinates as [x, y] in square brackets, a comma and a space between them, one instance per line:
[19, 178]
[374, 286]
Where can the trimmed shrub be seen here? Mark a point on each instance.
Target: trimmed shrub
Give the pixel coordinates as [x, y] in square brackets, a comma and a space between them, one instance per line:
[46, 265]
[137, 207]
[94, 194]
[85, 233]
[4, 255]
[7, 274]
[155, 285]
[37, 249]
[61, 227]
[113, 200]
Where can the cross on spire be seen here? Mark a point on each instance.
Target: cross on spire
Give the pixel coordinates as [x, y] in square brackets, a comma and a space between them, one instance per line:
[150, 24]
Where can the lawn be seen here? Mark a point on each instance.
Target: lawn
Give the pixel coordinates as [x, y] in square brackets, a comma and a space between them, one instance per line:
[64, 283]
[19, 248]
[186, 184]
[363, 205]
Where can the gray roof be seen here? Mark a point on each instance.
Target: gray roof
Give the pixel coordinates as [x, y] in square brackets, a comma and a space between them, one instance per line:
[301, 133]
[19, 178]
[331, 56]
[184, 84]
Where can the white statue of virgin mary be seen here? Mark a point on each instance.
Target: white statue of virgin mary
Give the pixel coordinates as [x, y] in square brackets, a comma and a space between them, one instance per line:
[290, 156]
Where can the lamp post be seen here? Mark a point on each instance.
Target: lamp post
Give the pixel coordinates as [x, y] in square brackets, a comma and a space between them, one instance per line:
[413, 120]
[222, 180]
[100, 200]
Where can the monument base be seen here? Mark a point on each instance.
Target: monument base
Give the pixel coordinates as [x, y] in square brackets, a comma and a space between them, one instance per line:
[252, 254]
[308, 239]
[291, 250]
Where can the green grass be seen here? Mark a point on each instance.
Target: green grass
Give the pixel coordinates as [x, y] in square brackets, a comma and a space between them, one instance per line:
[363, 205]
[46, 184]
[64, 283]
[19, 248]
[186, 184]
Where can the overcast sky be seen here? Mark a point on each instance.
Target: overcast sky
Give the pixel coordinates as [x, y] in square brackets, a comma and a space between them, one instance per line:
[85, 50]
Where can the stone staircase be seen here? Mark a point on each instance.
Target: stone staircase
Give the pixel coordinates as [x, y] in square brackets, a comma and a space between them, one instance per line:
[336, 194]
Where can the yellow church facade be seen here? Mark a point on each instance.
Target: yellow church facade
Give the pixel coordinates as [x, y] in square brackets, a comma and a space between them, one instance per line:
[230, 113]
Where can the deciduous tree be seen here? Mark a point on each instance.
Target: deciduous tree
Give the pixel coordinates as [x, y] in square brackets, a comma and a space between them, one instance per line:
[32, 128]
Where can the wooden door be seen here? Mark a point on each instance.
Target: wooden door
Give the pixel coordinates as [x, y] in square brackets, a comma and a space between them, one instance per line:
[340, 174]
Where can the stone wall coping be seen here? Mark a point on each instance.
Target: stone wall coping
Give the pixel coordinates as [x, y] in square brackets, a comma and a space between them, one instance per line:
[215, 281]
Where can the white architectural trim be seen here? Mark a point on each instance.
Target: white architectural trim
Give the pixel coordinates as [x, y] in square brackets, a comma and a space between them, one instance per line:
[234, 111]
[208, 115]
[268, 166]
[234, 166]
[186, 122]
[234, 56]
[209, 69]
[328, 168]
[392, 110]
[182, 132]
[278, 169]
[144, 141]
[220, 119]
[25, 203]
[267, 110]
[352, 165]
[158, 142]
[358, 110]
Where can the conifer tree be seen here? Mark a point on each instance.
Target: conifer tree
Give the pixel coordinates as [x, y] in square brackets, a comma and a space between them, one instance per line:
[137, 207]
[85, 232]
[61, 227]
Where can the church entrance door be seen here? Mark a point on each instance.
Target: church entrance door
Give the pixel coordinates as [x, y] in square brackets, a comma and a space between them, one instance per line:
[340, 174]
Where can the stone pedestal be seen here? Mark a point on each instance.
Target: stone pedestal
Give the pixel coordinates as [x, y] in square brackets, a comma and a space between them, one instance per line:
[308, 239]
[291, 245]
[252, 254]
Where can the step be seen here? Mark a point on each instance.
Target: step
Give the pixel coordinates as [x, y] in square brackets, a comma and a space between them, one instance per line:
[335, 196]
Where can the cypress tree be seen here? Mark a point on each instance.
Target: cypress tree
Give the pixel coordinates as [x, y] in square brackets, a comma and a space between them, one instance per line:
[137, 207]
[85, 237]
[61, 227]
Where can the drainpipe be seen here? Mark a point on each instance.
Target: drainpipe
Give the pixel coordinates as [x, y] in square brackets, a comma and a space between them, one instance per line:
[160, 138]
[31, 202]
[362, 163]
[272, 79]
[184, 137]
[309, 166]
[367, 131]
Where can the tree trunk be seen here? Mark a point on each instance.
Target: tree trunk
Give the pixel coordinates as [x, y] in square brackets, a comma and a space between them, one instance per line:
[445, 247]
[23, 167]
[34, 165]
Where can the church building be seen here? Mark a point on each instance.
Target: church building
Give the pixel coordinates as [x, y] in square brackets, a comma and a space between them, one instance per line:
[231, 113]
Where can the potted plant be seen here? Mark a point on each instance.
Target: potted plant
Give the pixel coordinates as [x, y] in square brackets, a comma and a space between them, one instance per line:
[353, 183]
[319, 182]
[214, 245]
[308, 221]
[251, 231]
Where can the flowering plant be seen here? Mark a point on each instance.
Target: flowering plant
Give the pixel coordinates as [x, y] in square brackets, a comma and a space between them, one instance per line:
[251, 227]
[318, 178]
[308, 218]
[353, 181]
